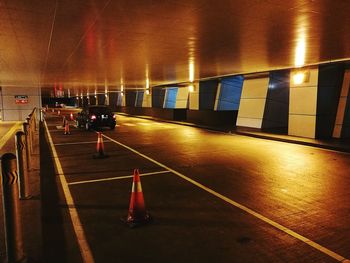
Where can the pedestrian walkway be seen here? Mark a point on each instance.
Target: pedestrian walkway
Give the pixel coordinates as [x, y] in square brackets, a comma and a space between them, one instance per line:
[30, 209]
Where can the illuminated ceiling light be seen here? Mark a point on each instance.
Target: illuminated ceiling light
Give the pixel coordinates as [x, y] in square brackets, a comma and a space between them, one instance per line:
[191, 71]
[191, 88]
[147, 91]
[300, 53]
[122, 94]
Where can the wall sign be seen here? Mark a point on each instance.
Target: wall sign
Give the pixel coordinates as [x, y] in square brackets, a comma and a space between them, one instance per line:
[21, 99]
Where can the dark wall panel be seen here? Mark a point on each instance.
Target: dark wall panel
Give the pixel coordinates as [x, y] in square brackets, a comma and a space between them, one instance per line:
[130, 97]
[330, 78]
[207, 94]
[101, 98]
[213, 118]
[92, 100]
[158, 95]
[277, 101]
[113, 98]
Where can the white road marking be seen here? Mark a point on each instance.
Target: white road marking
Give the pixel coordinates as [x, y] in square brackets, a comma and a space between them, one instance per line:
[77, 225]
[115, 178]
[77, 143]
[129, 124]
[242, 207]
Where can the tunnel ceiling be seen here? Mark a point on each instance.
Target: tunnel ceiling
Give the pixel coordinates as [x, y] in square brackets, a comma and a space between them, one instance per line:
[98, 43]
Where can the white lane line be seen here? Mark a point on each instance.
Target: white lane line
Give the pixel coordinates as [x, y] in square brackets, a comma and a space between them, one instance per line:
[115, 178]
[129, 124]
[9, 134]
[74, 143]
[242, 207]
[77, 225]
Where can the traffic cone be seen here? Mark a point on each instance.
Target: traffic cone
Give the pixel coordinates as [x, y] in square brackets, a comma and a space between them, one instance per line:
[66, 128]
[71, 117]
[64, 121]
[137, 214]
[100, 148]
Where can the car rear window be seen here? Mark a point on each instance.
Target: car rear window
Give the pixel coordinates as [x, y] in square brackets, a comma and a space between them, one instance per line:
[100, 110]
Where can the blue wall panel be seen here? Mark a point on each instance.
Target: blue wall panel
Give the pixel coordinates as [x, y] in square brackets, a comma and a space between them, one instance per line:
[230, 93]
[170, 98]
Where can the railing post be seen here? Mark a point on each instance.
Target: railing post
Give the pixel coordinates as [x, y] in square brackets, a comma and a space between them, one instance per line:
[35, 117]
[22, 166]
[30, 136]
[12, 222]
[27, 142]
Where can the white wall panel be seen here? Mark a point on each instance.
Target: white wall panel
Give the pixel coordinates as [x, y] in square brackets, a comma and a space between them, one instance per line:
[302, 126]
[182, 98]
[252, 104]
[303, 106]
[303, 100]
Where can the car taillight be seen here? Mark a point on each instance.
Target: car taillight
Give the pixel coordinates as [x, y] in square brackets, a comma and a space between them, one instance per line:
[93, 117]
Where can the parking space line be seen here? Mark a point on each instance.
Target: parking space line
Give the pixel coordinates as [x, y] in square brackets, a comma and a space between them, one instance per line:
[286, 230]
[9, 134]
[115, 178]
[77, 225]
[77, 143]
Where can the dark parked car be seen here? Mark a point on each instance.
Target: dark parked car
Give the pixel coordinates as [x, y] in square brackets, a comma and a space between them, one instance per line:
[96, 116]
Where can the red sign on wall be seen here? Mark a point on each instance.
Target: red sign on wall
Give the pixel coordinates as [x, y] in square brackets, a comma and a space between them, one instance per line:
[21, 99]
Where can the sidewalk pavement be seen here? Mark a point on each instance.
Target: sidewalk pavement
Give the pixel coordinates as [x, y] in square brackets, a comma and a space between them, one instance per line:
[30, 209]
[342, 145]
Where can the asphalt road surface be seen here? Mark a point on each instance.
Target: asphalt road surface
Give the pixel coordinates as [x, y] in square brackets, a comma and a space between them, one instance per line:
[214, 197]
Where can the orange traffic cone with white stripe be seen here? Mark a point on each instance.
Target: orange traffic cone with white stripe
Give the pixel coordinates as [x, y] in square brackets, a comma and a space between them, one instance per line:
[137, 214]
[66, 128]
[100, 149]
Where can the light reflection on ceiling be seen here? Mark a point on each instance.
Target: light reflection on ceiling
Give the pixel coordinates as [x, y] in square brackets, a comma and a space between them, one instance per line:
[127, 44]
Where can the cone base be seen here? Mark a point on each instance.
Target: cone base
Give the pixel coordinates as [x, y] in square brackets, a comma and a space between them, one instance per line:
[99, 156]
[138, 222]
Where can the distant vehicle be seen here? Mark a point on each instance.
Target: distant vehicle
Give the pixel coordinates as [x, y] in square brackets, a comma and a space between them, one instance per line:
[93, 117]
